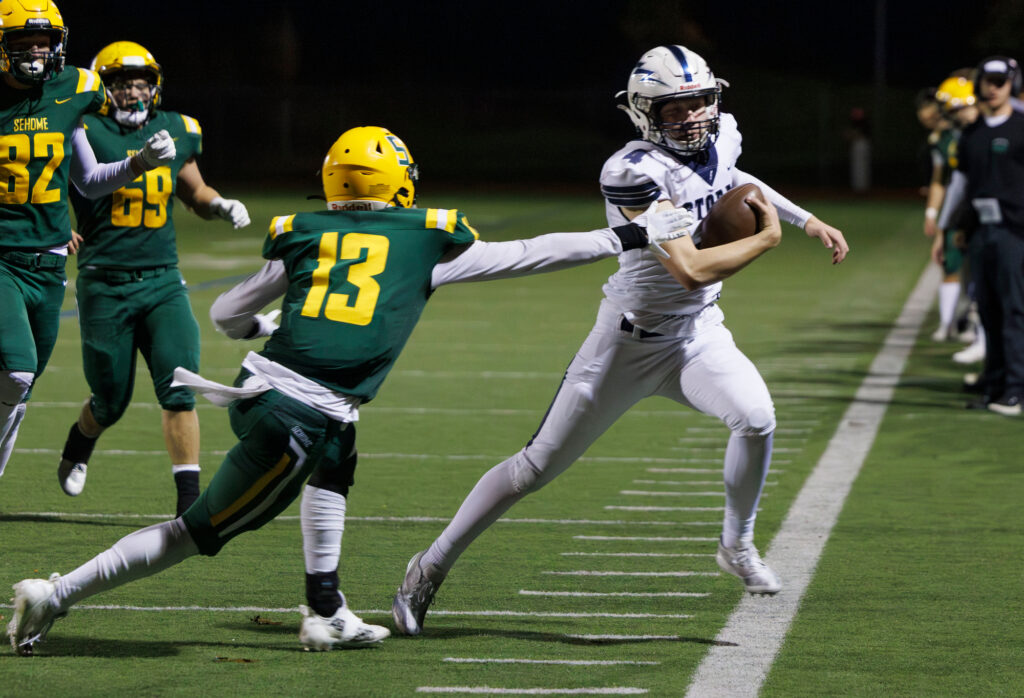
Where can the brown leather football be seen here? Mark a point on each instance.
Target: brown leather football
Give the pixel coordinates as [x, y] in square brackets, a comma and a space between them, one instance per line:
[730, 219]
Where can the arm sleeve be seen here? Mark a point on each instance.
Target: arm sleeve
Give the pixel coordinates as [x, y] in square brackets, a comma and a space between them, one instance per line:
[232, 313]
[486, 261]
[788, 211]
[94, 179]
[955, 193]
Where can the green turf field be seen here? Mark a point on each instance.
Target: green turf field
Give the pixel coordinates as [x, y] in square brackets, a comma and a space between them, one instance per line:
[918, 592]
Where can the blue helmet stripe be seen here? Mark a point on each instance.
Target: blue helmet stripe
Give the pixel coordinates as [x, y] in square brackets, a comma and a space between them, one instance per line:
[681, 57]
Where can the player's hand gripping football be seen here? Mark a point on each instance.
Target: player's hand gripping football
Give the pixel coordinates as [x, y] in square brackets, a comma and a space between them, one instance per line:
[665, 223]
[231, 210]
[768, 226]
[159, 150]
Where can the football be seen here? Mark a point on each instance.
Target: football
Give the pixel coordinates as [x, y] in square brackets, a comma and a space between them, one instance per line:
[730, 219]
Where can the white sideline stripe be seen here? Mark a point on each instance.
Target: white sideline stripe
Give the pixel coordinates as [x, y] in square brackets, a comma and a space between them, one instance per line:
[575, 554]
[489, 690]
[616, 573]
[758, 625]
[622, 508]
[569, 662]
[644, 594]
[682, 539]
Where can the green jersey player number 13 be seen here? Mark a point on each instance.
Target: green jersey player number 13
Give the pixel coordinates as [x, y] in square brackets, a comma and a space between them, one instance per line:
[372, 251]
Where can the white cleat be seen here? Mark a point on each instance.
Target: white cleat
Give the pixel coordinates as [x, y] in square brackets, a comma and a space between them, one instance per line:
[942, 334]
[33, 613]
[413, 598]
[971, 354]
[746, 563]
[343, 629]
[71, 476]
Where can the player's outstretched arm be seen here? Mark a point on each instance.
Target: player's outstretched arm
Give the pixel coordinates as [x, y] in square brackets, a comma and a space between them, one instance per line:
[489, 261]
[694, 268]
[236, 311]
[204, 199]
[830, 237]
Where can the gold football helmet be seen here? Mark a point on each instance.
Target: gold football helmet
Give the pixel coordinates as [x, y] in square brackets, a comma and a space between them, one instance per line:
[369, 164]
[955, 93]
[122, 60]
[22, 17]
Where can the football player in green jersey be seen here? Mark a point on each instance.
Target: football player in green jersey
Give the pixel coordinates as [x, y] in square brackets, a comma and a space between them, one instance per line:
[131, 296]
[42, 149]
[355, 279]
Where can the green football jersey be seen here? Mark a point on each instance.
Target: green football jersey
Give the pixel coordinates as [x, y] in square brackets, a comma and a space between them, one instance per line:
[133, 228]
[357, 284]
[35, 155]
[945, 152]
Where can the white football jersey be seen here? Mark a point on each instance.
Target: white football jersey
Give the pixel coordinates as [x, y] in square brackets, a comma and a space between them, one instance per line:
[642, 289]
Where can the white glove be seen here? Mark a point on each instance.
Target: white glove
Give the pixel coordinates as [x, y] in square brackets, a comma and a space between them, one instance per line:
[159, 149]
[231, 210]
[265, 324]
[666, 225]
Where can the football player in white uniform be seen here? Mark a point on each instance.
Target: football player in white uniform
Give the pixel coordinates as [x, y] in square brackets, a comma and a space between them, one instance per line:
[658, 330]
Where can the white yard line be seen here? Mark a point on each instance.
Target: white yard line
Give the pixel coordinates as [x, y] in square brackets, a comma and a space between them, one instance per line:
[620, 573]
[630, 594]
[490, 690]
[567, 662]
[580, 554]
[659, 539]
[757, 627]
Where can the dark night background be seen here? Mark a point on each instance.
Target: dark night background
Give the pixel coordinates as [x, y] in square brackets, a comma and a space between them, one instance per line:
[519, 95]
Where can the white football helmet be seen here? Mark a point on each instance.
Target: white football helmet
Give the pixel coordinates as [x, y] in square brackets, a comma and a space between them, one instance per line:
[668, 73]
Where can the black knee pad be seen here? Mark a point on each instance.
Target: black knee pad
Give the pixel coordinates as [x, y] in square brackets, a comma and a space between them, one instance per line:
[335, 477]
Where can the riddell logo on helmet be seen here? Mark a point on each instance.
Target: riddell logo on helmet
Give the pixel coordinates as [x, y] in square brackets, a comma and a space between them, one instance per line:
[689, 86]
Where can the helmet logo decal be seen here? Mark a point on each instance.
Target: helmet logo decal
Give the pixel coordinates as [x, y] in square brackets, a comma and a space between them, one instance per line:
[403, 154]
[647, 76]
[681, 57]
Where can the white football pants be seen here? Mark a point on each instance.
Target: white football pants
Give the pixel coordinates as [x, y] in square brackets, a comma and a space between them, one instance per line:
[612, 372]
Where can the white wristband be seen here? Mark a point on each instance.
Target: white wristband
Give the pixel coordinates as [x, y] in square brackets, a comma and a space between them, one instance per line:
[931, 213]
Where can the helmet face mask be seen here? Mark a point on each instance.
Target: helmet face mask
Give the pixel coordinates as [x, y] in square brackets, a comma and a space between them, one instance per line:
[123, 65]
[673, 99]
[22, 24]
[369, 168]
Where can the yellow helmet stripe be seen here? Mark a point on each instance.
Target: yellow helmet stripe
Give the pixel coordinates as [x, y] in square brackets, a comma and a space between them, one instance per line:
[191, 125]
[280, 225]
[88, 81]
[442, 219]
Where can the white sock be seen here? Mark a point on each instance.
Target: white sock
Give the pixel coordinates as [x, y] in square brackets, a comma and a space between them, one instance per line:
[188, 467]
[323, 522]
[491, 497]
[746, 465]
[14, 386]
[949, 295]
[9, 430]
[137, 555]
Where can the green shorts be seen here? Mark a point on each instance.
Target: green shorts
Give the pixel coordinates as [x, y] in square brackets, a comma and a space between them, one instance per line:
[121, 312]
[953, 256]
[31, 294]
[281, 443]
